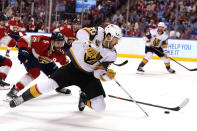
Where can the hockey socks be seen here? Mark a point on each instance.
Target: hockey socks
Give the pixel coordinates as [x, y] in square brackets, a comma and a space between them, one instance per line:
[170, 70]
[29, 94]
[144, 61]
[141, 65]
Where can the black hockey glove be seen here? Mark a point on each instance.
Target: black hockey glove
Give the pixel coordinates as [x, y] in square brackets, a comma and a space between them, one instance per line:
[148, 35]
[23, 55]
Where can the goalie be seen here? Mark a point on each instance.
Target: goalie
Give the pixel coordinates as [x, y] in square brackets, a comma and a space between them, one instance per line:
[156, 42]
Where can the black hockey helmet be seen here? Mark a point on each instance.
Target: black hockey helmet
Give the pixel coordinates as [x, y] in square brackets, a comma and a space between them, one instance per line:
[57, 36]
[76, 21]
[3, 18]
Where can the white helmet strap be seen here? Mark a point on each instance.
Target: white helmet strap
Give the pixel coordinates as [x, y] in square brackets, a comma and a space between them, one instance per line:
[108, 43]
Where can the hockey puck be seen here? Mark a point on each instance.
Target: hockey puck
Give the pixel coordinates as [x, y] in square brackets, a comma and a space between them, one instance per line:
[166, 112]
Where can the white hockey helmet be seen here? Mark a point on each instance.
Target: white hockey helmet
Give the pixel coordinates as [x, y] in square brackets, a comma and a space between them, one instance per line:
[113, 30]
[162, 24]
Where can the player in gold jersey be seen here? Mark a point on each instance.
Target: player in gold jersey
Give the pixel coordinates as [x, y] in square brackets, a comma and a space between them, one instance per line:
[156, 42]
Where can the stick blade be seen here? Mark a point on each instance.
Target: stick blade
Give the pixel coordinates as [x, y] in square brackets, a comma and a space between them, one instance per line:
[184, 103]
[121, 64]
[193, 69]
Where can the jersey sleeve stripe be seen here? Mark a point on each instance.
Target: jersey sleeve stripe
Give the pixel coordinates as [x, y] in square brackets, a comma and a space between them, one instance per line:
[73, 57]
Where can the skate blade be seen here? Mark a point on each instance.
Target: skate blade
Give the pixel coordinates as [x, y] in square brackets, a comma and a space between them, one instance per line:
[172, 72]
[139, 72]
[4, 88]
[7, 99]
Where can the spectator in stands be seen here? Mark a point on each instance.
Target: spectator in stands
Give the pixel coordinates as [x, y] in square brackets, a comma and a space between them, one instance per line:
[191, 8]
[143, 25]
[106, 22]
[53, 26]
[174, 34]
[193, 32]
[180, 15]
[152, 24]
[8, 11]
[86, 21]
[131, 31]
[30, 27]
[117, 16]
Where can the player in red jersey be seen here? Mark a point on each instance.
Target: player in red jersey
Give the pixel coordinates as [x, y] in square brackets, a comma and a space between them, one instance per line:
[69, 31]
[39, 53]
[5, 65]
[16, 28]
[5, 40]
[30, 26]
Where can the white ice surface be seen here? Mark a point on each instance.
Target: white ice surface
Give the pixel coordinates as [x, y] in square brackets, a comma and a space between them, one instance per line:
[55, 112]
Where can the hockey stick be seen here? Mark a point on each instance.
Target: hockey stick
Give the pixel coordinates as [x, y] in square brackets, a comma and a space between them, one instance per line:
[97, 59]
[195, 69]
[183, 104]
[121, 64]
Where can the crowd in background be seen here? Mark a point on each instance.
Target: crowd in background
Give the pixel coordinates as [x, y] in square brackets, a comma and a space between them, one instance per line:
[180, 16]
[94, 16]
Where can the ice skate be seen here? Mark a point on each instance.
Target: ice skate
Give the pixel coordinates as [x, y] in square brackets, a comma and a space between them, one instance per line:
[170, 70]
[16, 101]
[7, 54]
[11, 94]
[4, 85]
[82, 101]
[64, 91]
[140, 70]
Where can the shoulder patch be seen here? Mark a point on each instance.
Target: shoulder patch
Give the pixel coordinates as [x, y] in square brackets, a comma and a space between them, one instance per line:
[92, 32]
[35, 39]
[61, 28]
[69, 26]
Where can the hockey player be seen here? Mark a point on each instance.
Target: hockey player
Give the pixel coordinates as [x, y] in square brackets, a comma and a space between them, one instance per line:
[5, 65]
[30, 26]
[4, 38]
[69, 31]
[156, 42]
[16, 27]
[92, 45]
[39, 53]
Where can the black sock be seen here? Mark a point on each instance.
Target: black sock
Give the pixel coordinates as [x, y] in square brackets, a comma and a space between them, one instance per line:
[27, 95]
